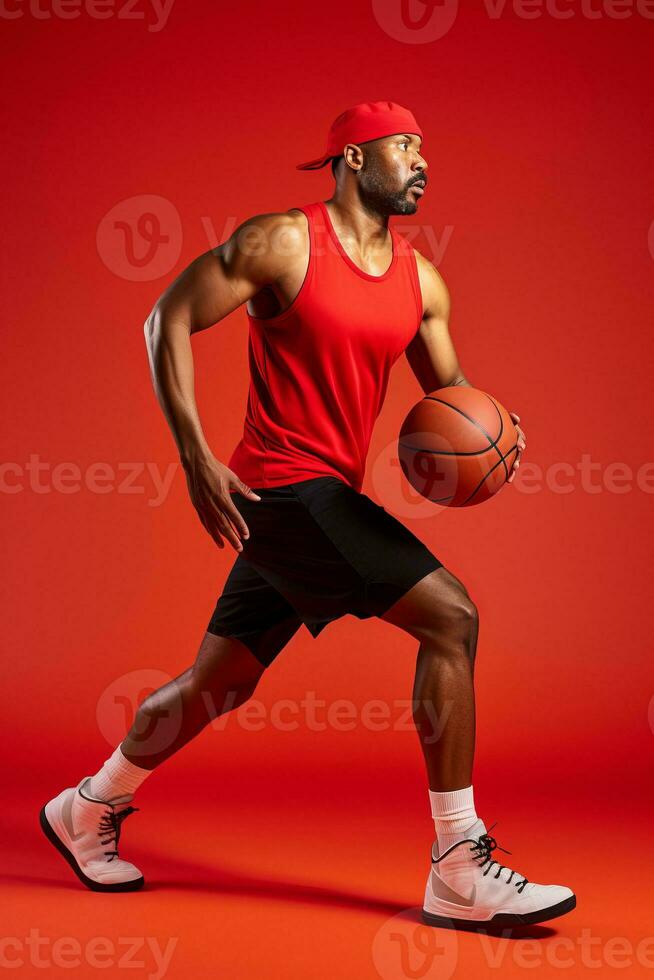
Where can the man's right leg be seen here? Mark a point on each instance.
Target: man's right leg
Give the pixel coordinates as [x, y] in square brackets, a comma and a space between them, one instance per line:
[224, 676]
[84, 827]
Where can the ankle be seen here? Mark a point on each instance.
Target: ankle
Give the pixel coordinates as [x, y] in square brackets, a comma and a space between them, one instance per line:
[118, 778]
[453, 812]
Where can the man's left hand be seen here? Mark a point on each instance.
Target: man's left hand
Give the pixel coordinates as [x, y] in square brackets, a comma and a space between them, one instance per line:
[522, 445]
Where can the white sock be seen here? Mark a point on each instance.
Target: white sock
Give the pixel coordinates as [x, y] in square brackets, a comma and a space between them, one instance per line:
[454, 814]
[118, 777]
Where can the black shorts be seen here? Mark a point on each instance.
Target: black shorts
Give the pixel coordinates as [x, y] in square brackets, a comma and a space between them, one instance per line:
[317, 550]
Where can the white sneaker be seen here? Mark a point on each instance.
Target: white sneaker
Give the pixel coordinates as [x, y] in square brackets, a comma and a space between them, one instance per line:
[467, 889]
[86, 832]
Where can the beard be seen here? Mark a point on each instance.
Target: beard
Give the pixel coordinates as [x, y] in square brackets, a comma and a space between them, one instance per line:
[379, 196]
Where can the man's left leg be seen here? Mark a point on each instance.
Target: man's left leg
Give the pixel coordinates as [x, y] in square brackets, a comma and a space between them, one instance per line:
[440, 614]
[466, 887]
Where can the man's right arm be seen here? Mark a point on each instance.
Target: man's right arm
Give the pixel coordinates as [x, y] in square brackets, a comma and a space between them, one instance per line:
[210, 288]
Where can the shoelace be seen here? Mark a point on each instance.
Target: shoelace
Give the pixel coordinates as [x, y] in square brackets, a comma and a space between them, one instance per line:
[485, 847]
[110, 824]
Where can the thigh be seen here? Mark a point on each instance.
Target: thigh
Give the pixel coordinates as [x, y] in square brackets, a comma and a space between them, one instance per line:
[253, 612]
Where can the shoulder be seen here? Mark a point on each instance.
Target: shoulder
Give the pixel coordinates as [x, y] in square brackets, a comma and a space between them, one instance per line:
[266, 242]
[287, 228]
[435, 294]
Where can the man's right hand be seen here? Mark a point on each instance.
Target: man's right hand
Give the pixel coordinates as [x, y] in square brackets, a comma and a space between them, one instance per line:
[209, 483]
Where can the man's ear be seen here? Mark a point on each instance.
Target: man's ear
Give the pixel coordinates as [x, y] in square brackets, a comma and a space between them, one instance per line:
[353, 156]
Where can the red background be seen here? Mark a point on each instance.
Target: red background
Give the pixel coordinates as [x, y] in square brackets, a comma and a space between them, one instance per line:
[288, 851]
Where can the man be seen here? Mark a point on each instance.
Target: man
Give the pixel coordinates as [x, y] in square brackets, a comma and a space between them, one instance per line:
[334, 295]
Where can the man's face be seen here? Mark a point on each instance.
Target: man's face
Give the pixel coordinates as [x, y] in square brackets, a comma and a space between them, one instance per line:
[393, 175]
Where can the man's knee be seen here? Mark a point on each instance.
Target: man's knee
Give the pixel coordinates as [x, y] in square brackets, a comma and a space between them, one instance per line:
[454, 619]
[454, 606]
[467, 612]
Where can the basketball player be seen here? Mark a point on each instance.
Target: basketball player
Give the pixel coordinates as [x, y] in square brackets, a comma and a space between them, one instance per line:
[334, 296]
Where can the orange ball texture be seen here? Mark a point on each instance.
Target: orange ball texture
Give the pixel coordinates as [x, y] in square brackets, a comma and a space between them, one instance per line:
[457, 446]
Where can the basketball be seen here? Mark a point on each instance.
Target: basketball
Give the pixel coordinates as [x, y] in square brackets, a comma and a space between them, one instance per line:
[457, 446]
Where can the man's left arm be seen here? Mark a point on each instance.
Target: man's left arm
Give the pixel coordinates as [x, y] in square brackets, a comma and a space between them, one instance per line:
[431, 354]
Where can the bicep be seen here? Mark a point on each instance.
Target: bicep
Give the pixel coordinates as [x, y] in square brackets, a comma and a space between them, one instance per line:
[215, 284]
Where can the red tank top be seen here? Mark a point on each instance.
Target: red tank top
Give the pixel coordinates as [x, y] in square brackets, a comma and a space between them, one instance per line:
[319, 370]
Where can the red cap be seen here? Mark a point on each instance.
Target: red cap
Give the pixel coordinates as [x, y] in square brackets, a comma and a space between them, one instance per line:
[364, 122]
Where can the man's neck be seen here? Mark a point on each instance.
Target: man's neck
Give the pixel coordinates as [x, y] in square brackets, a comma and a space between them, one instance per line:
[367, 230]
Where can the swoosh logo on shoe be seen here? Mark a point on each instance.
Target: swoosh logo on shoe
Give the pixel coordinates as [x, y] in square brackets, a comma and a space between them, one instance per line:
[449, 895]
[67, 818]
